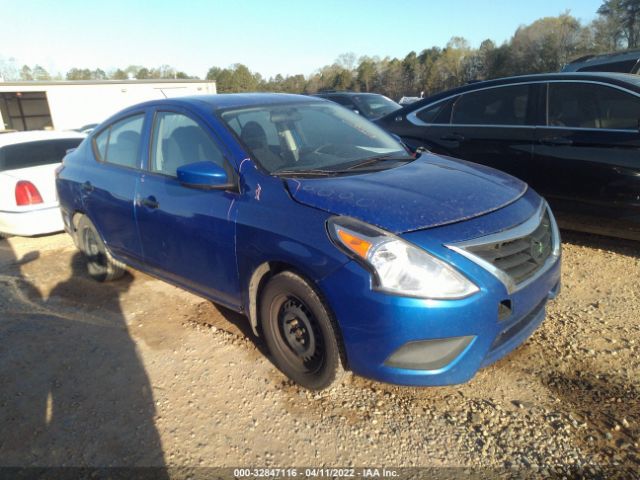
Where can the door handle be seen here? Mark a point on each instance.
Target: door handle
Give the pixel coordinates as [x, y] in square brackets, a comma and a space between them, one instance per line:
[556, 141]
[150, 202]
[87, 187]
[454, 137]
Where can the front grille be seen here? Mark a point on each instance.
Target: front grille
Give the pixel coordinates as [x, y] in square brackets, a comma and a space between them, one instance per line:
[519, 256]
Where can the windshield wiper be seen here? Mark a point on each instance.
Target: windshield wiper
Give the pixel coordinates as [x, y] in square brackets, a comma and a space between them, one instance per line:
[327, 172]
[380, 158]
[307, 173]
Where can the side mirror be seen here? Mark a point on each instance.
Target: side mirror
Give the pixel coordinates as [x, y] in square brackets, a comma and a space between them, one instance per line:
[206, 175]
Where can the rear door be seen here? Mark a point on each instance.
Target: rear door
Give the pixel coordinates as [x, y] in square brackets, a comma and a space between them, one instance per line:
[187, 234]
[109, 184]
[589, 150]
[494, 127]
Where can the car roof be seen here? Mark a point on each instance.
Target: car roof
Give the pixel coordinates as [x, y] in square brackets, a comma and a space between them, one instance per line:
[627, 80]
[36, 135]
[230, 100]
[345, 94]
[604, 58]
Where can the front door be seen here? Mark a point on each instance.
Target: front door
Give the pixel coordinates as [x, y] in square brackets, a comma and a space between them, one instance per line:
[589, 152]
[187, 234]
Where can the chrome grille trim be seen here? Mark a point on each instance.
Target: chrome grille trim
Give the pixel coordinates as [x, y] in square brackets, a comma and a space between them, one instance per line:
[512, 237]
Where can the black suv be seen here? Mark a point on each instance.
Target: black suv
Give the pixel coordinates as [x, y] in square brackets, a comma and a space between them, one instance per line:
[620, 62]
[369, 105]
[574, 137]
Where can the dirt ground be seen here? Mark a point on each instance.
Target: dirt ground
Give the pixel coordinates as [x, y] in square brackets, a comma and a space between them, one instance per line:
[138, 372]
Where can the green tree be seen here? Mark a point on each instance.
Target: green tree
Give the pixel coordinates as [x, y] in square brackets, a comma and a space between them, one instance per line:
[26, 73]
[427, 61]
[213, 73]
[366, 73]
[40, 74]
[607, 34]
[119, 74]
[410, 75]
[547, 44]
[237, 78]
[143, 74]
[625, 15]
[98, 74]
[79, 74]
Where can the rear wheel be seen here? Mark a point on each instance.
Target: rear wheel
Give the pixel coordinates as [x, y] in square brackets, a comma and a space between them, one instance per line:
[100, 265]
[299, 331]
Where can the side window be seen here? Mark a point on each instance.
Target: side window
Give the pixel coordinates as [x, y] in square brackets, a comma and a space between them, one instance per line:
[625, 66]
[178, 140]
[341, 100]
[440, 113]
[584, 105]
[120, 142]
[617, 109]
[494, 106]
[429, 114]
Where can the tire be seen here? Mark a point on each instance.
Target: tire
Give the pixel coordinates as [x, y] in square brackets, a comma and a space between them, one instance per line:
[100, 265]
[299, 332]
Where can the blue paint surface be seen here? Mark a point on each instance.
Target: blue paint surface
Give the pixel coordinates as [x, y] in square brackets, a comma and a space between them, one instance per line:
[211, 241]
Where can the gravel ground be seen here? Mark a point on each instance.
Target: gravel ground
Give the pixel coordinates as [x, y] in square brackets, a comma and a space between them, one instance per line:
[138, 372]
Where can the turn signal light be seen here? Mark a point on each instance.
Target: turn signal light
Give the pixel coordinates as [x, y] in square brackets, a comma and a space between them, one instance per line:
[353, 243]
[27, 194]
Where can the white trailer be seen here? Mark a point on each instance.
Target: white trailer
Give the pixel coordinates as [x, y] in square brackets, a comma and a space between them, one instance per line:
[73, 104]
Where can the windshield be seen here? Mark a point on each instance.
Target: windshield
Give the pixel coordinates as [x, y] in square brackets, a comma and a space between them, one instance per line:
[311, 137]
[375, 106]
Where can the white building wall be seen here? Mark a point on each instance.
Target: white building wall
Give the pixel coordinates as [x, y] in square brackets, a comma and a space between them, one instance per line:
[73, 105]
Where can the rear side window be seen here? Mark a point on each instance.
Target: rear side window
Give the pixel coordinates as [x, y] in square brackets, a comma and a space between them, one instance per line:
[178, 140]
[586, 105]
[33, 154]
[340, 100]
[625, 66]
[440, 113]
[119, 143]
[494, 106]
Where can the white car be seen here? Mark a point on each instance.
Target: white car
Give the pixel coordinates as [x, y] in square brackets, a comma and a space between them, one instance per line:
[28, 160]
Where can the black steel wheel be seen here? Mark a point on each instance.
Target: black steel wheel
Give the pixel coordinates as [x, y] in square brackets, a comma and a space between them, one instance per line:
[299, 331]
[100, 265]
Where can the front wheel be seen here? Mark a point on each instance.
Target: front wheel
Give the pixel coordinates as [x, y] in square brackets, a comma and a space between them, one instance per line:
[299, 331]
[100, 265]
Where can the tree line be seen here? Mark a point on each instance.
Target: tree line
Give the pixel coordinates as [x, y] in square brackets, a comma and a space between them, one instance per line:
[138, 72]
[545, 45]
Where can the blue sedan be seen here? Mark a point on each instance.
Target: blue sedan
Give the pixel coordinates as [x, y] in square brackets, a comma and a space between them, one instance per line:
[343, 250]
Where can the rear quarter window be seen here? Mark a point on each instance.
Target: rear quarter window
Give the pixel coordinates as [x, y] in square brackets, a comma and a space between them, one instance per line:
[34, 154]
[119, 143]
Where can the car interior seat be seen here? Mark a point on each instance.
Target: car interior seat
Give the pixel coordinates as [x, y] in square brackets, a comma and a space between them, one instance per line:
[255, 138]
[125, 149]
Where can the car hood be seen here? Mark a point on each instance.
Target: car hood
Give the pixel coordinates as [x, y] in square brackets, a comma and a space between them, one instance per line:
[428, 192]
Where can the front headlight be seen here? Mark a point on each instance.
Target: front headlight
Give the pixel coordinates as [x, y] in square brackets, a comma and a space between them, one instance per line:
[398, 266]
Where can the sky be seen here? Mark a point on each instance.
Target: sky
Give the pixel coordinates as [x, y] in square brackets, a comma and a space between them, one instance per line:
[269, 36]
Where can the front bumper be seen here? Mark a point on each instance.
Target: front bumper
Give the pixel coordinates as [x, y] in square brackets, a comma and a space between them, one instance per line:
[375, 325]
[31, 221]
